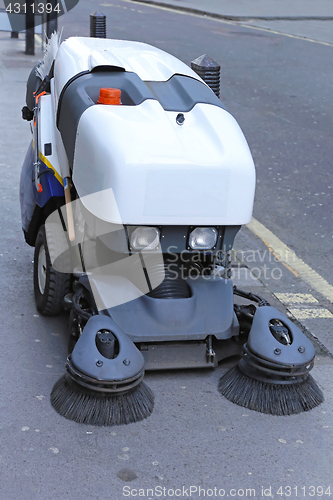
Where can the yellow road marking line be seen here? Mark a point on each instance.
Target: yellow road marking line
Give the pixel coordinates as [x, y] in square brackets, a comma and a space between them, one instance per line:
[278, 257]
[311, 313]
[285, 255]
[225, 21]
[296, 298]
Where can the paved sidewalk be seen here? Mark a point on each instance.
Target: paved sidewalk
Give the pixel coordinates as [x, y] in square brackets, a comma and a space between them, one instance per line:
[303, 18]
[259, 9]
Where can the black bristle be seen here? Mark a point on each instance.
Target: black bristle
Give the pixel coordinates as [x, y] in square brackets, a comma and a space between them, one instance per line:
[274, 399]
[85, 406]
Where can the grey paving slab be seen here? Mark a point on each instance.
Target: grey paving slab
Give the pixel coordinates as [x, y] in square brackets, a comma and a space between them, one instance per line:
[256, 8]
[312, 20]
[321, 31]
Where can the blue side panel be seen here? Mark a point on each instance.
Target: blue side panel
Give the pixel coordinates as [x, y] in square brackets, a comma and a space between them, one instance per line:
[51, 186]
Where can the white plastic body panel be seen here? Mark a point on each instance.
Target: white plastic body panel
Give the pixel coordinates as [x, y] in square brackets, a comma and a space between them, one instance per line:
[47, 132]
[200, 173]
[60, 149]
[79, 54]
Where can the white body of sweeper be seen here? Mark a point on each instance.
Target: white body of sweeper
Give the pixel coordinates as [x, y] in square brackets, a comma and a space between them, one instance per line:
[197, 173]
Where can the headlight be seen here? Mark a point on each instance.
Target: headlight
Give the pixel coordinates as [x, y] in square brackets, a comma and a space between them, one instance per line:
[145, 238]
[203, 238]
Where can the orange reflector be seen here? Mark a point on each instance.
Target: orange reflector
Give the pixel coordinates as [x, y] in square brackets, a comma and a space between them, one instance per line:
[109, 96]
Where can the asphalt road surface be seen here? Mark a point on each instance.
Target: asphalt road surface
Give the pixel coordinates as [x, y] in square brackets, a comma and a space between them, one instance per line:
[278, 88]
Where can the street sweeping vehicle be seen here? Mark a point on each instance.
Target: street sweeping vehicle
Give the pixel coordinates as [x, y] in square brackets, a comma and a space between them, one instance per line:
[133, 188]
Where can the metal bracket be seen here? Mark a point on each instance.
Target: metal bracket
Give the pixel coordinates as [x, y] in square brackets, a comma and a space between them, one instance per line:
[210, 353]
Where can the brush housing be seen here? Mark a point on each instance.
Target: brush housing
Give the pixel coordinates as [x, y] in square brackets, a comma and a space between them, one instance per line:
[92, 366]
[276, 350]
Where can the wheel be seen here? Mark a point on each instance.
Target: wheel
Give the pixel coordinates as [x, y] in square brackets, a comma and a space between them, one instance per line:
[50, 286]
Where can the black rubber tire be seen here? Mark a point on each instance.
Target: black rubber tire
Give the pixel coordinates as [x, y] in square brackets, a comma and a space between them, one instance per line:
[55, 285]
